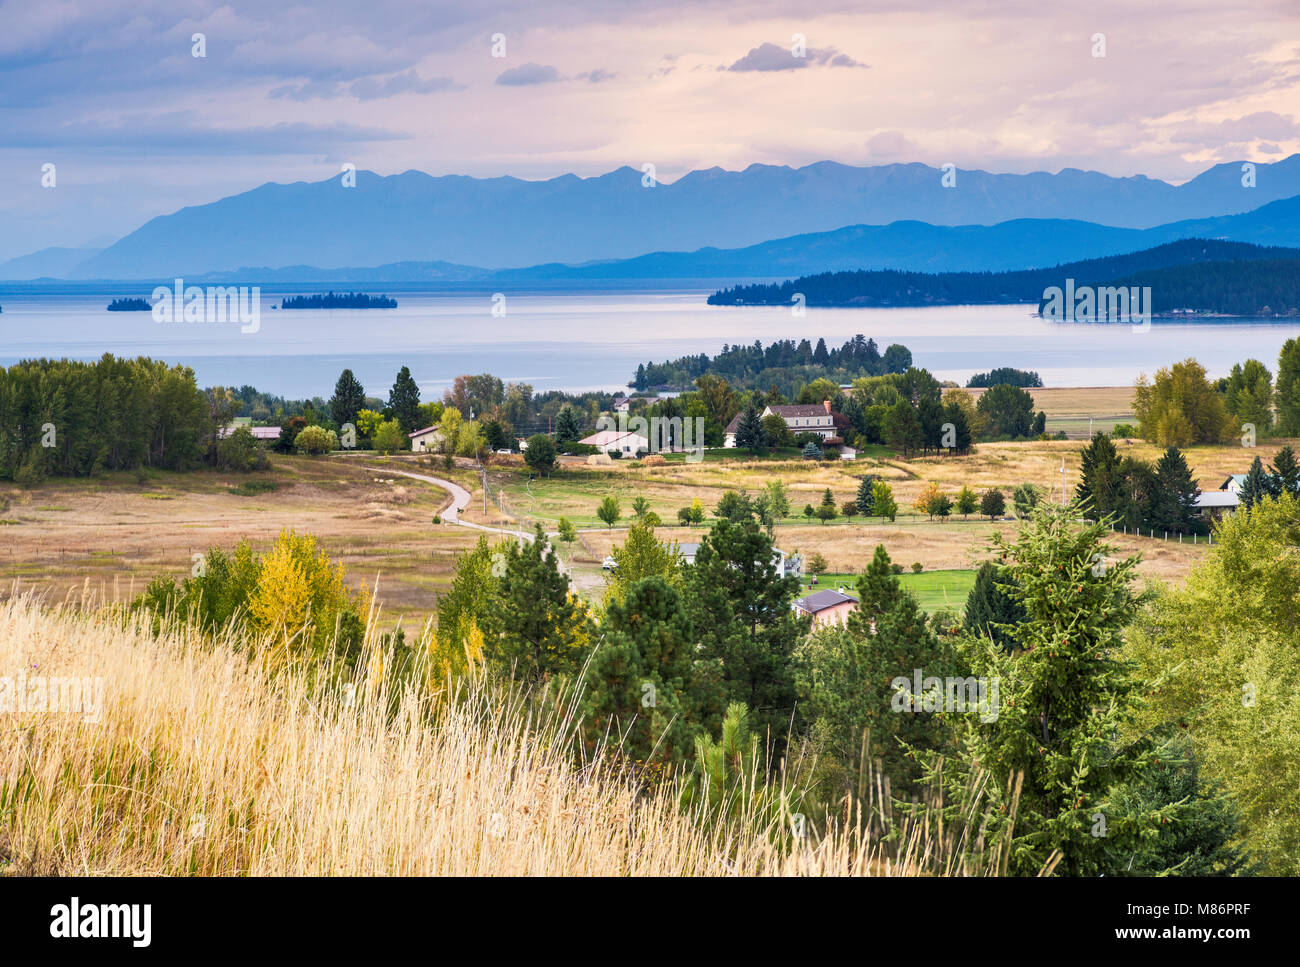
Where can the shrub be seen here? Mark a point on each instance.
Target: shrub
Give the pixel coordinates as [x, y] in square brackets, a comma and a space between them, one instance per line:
[540, 453]
[315, 440]
[240, 452]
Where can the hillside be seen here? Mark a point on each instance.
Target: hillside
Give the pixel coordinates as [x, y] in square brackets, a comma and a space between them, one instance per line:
[892, 288]
[199, 762]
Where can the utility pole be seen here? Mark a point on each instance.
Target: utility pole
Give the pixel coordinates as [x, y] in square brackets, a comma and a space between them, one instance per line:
[1063, 500]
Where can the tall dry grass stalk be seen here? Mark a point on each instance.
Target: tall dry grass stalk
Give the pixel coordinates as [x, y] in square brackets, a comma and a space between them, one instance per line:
[204, 761]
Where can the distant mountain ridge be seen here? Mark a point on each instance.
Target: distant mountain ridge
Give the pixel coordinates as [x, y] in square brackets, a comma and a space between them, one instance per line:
[1238, 278]
[508, 222]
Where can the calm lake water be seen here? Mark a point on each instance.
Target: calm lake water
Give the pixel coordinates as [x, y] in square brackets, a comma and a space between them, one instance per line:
[595, 340]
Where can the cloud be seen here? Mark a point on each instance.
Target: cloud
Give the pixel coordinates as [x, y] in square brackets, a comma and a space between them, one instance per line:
[596, 76]
[1252, 127]
[773, 57]
[407, 82]
[527, 74]
[366, 88]
[892, 145]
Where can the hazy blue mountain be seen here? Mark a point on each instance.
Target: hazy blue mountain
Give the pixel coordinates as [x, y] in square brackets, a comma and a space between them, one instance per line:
[47, 263]
[918, 247]
[508, 222]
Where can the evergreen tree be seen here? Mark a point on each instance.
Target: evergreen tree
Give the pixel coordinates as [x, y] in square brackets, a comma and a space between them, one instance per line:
[745, 626]
[930, 416]
[954, 414]
[568, 425]
[1256, 486]
[641, 689]
[1174, 506]
[1203, 842]
[539, 629]
[1288, 388]
[1286, 472]
[993, 504]
[404, 401]
[1065, 694]
[750, 432]
[1099, 479]
[991, 610]
[348, 400]
[885, 638]
[865, 501]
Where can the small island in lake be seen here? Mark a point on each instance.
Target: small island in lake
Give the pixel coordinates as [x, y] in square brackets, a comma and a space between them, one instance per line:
[339, 300]
[129, 305]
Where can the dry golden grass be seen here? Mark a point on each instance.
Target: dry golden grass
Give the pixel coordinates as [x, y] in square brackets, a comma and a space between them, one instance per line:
[202, 762]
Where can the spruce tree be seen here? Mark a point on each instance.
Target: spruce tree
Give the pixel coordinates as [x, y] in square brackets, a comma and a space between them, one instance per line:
[348, 399]
[1065, 695]
[1256, 486]
[750, 432]
[404, 401]
[568, 426]
[1174, 506]
[866, 501]
[991, 610]
[1286, 472]
[1099, 480]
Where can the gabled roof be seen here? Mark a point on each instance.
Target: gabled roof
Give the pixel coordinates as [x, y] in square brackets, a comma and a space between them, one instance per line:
[1217, 498]
[427, 429]
[822, 600]
[800, 409]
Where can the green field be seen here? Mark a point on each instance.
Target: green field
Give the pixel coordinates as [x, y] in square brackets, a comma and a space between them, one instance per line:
[935, 590]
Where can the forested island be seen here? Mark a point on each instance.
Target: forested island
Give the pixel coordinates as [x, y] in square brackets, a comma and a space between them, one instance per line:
[129, 305]
[1230, 278]
[784, 364]
[339, 300]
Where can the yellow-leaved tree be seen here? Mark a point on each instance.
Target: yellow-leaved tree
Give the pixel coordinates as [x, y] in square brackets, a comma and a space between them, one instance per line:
[301, 601]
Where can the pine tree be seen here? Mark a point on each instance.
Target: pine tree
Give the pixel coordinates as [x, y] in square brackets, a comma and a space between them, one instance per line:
[568, 426]
[1286, 472]
[1256, 486]
[539, 629]
[990, 610]
[1099, 479]
[1174, 506]
[404, 401]
[744, 624]
[750, 432]
[641, 690]
[878, 587]
[348, 399]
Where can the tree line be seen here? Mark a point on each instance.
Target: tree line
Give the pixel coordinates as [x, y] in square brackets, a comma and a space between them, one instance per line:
[783, 364]
[1201, 273]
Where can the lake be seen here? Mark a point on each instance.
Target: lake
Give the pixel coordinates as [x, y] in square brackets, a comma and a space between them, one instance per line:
[594, 340]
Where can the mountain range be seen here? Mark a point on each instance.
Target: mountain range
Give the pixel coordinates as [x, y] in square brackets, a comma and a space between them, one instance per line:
[899, 215]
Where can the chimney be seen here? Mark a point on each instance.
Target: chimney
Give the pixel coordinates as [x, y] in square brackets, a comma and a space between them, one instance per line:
[827, 404]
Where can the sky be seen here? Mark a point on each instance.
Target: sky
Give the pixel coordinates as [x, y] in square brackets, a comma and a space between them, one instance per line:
[136, 125]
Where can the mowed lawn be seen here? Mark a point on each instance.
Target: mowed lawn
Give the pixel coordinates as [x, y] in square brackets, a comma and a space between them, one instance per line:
[944, 590]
